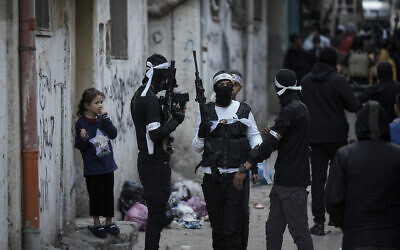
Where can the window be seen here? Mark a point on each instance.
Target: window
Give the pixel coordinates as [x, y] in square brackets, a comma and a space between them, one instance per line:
[42, 15]
[258, 10]
[119, 31]
[238, 8]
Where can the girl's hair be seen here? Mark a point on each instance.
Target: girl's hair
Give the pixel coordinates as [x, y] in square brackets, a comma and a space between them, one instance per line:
[87, 97]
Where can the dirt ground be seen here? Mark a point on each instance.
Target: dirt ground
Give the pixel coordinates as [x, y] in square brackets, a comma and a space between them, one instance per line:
[177, 238]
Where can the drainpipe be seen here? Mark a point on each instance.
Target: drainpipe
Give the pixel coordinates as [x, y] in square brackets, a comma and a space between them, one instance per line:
[29, 133]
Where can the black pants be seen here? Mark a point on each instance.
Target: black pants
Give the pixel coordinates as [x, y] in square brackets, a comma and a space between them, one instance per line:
[225, 209]
[101, 194]
[288, 206]
[321, 155]
[155, 176]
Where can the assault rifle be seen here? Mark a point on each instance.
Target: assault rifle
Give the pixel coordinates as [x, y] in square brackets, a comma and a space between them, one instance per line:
[201, 99]
[169, 102]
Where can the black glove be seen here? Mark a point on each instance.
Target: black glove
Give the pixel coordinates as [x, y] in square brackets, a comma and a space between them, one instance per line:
[204, 129]
[178, 115]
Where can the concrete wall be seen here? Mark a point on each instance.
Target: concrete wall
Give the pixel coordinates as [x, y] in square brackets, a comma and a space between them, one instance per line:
[14, 223]
[53, 60]
[117, 79]
[3, 129]
[219, 46]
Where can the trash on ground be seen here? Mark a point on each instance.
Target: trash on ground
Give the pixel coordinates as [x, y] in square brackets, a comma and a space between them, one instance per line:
[258, 206]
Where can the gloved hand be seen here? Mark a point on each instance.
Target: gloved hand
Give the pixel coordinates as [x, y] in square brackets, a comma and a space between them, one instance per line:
[178, 115]
[204, 129]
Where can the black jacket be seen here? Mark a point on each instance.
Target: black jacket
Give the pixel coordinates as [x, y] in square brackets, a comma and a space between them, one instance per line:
[293, 125]
[327, 94]
[362, 195]
[384, 93]
[297, 59]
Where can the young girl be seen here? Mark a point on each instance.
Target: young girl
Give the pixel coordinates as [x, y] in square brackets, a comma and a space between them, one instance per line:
[93, 132]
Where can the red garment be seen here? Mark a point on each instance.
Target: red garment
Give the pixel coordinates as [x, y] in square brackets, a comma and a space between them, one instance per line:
[345, 44]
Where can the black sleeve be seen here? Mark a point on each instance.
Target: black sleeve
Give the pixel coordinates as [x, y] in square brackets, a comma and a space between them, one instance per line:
[109, 127]
[153, 115]
[270, 143]
[335, 190]
[80, 143]
[347, 95]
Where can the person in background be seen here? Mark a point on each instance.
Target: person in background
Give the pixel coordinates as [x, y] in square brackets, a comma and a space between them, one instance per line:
[385, 91]
[347, 41]
[237, 80]
[356, 64]
[296, 58]
[316, 31]
[315, 52]
[327, 95]
[363, 188]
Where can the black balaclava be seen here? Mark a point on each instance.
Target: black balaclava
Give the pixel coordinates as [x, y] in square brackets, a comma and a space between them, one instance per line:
[385, 72]
[160, 75]
[328, 56]
[223, 95]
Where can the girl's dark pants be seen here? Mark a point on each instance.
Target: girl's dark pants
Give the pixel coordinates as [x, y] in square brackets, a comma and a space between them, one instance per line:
[101, 194]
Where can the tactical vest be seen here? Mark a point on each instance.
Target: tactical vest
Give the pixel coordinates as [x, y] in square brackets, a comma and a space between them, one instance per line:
[227, 146]
[359, 64]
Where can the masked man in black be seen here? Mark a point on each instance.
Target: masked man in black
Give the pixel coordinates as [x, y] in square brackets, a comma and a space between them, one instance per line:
[362, 195]
[153, 161]
[225, 140]
[290, 136]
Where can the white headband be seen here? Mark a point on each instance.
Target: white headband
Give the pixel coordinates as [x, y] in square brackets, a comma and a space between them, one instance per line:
[150, 72]
[223, 76]
[237, 78]
[284, 88]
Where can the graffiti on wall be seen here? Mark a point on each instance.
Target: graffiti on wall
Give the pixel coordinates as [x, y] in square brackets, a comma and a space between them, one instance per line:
[119, 93]
[46, 120]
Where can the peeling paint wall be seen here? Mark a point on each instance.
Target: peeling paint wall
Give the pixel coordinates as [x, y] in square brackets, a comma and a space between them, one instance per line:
[118, 79]
[220, 44]
[3, 130]
[53, 56]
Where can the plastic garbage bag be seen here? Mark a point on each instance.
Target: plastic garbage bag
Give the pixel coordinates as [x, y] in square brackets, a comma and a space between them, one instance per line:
[198, 205]
[131, 193]
[138, 213]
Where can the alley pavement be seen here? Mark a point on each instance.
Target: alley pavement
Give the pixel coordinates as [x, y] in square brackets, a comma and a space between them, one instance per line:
[176, 237]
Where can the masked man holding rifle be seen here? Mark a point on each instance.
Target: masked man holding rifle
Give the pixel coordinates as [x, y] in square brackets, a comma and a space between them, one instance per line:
[225, 133]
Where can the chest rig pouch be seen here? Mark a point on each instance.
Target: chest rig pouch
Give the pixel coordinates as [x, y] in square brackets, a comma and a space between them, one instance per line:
[227, 146]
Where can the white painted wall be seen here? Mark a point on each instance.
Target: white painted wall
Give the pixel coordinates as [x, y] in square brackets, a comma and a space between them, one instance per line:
[53, 61]
[3, 130]
[190, 26]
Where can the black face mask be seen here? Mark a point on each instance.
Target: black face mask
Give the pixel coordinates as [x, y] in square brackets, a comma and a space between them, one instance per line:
[159, 80]
[223, 95]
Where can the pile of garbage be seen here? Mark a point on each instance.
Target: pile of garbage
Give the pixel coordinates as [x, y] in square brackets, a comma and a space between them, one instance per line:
[182, 209]
[188, 211]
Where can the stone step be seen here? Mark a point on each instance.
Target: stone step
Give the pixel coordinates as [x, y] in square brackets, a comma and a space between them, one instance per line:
[82, 238]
